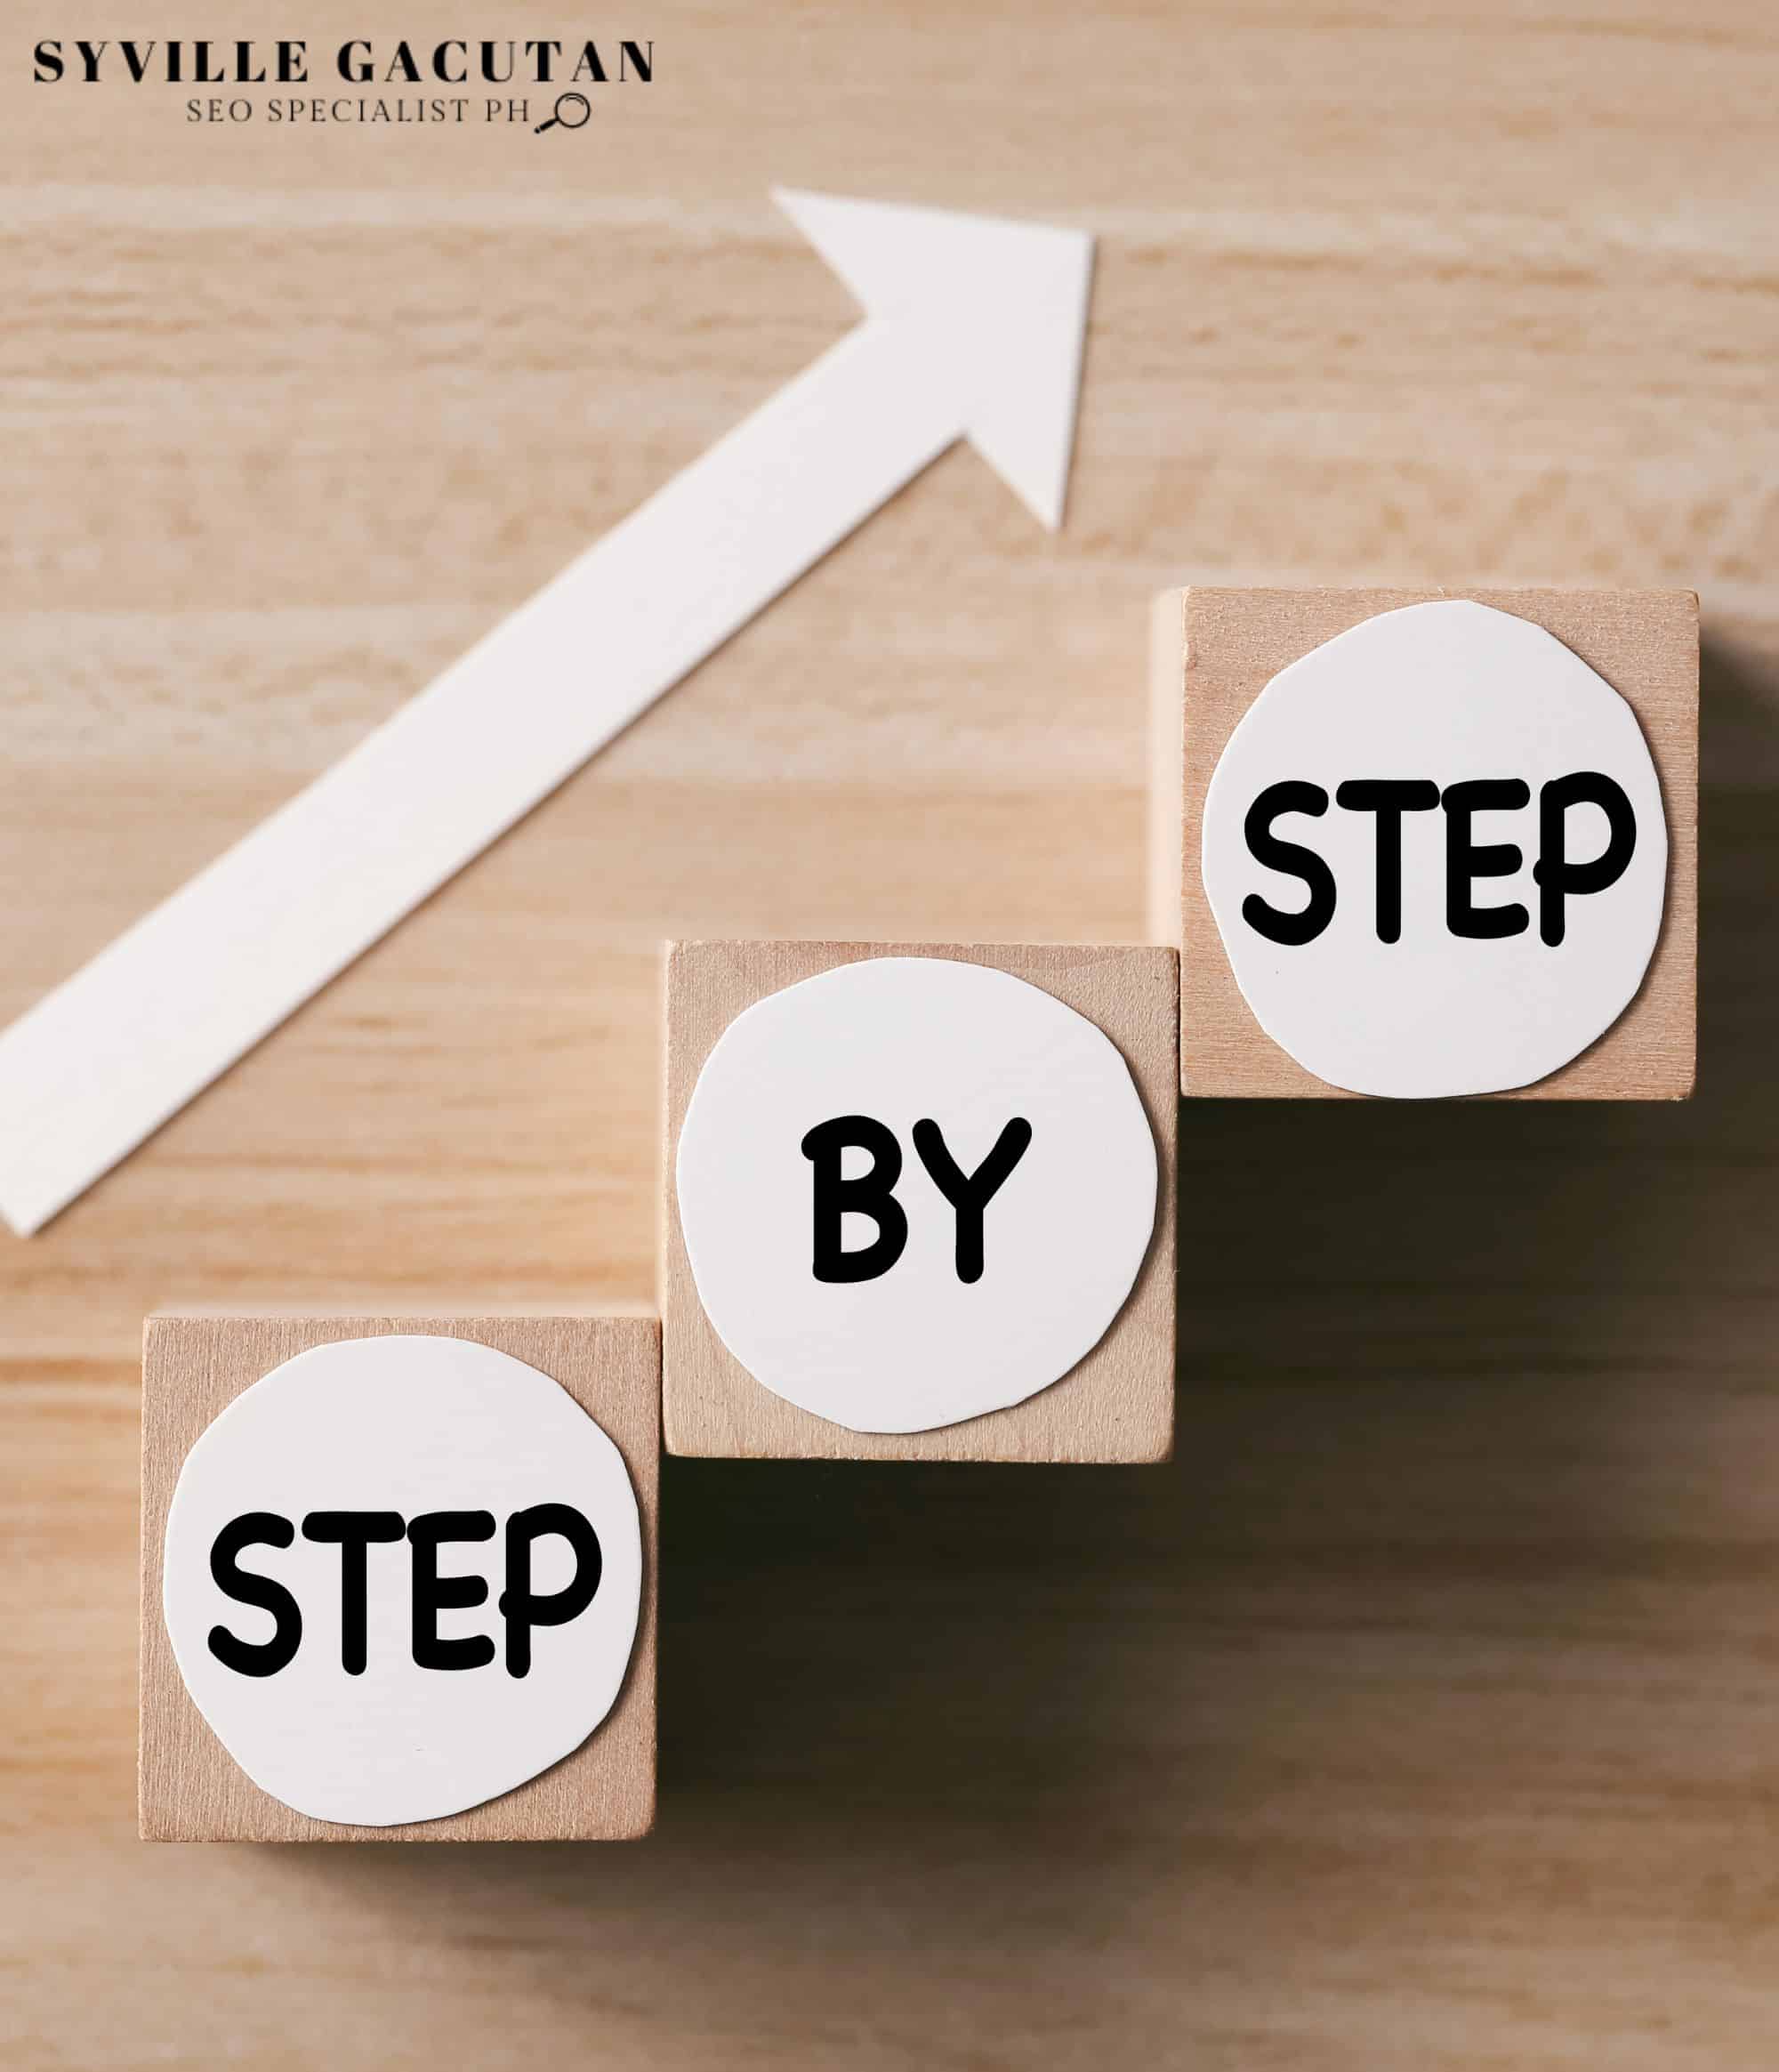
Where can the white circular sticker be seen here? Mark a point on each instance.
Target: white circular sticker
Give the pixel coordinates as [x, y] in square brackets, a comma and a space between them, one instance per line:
[403, 1575]
[1435, 850]
[913, 1190]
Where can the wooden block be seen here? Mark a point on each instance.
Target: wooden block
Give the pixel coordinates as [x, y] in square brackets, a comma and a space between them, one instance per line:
[1214, 651]
[1114, 1404]
[190, 1788]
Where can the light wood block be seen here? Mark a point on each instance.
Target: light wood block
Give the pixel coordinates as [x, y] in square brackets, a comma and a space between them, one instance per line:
[1214, 650]
[1116, 1403]
[189, 1789]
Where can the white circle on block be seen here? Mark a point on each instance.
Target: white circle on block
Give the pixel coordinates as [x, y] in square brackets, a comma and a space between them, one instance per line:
[414, 1426]
[902, 1041]
[1442, 693]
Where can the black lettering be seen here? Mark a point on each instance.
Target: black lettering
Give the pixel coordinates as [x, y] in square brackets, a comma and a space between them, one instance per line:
[523, 1611]
[1293, 930]
[638, 58]
[353, 1532]
[1389, 799]
[254, 1528]
[872, 1194]
[1556, 876]
[46, 63]
[1466, 860]
[90, 53]
[969, 1194]
[434, 1593]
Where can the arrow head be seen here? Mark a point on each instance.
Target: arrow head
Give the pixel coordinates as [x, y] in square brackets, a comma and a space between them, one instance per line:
[1005, 302]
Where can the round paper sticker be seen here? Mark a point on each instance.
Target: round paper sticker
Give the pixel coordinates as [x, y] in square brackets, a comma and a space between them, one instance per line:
[913, 1190]
[1435, 850]
[403, 1575]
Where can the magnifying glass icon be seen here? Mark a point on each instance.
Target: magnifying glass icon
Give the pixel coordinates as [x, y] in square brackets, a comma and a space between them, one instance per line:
[566, 107]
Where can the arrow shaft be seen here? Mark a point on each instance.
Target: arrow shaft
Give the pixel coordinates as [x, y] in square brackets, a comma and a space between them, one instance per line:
[102, 1060]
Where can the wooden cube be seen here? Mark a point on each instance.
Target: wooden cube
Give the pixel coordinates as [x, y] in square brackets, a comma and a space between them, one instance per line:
[1116, 1403]
[190, 1788]
[1215, 650]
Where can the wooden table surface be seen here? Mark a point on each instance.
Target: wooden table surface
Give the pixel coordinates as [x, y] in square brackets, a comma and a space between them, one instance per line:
[1424, 1712]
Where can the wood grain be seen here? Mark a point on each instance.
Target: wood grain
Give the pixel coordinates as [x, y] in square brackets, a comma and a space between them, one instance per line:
[1418, 1716]
[1228, 646]
[189, 1787]
[1114, 1405]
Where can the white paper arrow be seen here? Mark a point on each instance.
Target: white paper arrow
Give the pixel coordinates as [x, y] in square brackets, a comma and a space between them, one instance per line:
[973, 329]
